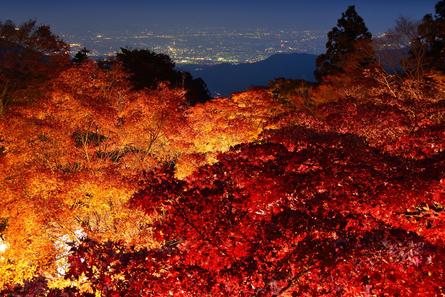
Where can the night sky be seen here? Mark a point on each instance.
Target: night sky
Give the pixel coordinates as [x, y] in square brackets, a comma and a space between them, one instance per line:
[80, 15]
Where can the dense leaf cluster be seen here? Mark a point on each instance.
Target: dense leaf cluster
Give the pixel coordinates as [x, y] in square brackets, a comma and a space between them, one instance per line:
[292, 197]
[302, 213]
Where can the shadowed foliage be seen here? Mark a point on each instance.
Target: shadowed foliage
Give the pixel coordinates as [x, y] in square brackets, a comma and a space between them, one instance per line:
[147, 69]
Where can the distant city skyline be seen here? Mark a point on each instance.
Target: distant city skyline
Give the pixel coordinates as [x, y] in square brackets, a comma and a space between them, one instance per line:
[80, 16]
[206, 31]
[203, 46]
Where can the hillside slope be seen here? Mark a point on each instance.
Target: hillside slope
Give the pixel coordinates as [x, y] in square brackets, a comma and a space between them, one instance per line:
[224, 79]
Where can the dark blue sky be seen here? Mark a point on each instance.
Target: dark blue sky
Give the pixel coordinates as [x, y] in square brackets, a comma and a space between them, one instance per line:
[81, 15]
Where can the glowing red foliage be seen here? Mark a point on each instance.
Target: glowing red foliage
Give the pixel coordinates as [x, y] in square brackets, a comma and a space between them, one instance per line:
[349, 202]
[327, 217]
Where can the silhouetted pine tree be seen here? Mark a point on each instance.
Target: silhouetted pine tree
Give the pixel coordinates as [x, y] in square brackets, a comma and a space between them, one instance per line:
[348, 43]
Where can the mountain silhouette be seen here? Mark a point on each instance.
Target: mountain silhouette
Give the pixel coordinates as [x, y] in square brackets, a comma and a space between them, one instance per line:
[224, 79]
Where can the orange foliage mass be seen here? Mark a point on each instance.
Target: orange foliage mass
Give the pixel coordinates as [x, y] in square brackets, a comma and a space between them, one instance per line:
[70, 160]
[220, 124]
[58, 157]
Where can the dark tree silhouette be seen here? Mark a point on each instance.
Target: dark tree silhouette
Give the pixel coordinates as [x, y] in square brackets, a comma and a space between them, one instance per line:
[29, 55]
[147, 69]
[81, 56]
[348, 42]
[431, 39]
[197, 91]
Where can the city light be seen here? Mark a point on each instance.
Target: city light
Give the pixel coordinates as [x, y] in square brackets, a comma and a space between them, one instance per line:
[206, 46]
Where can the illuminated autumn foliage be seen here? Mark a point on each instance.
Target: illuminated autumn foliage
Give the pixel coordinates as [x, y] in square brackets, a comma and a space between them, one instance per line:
[299, 189]
[347, 198]
[57, 160]
[71, 161]
[30, 55]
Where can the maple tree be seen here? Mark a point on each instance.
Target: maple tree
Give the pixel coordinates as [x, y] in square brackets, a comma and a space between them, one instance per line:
[295, 190]
[304, 213]
[302, 204]
[57, 159]
[31, 54]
